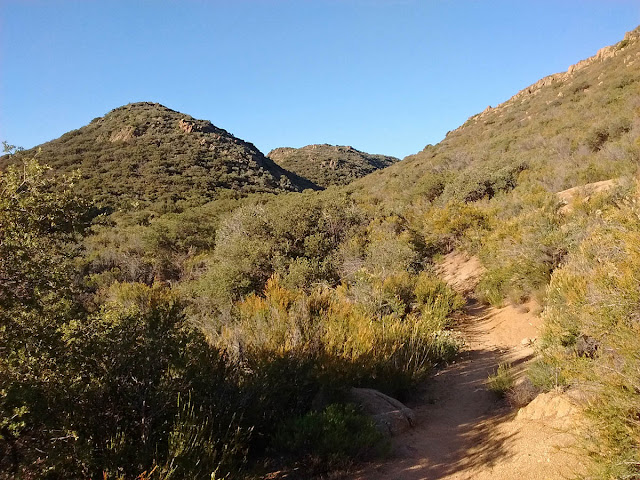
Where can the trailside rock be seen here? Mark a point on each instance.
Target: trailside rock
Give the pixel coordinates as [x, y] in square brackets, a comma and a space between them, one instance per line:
[390, 416]
[553, 408]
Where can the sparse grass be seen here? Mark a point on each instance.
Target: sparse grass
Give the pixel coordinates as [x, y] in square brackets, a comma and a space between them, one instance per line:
[502, 381]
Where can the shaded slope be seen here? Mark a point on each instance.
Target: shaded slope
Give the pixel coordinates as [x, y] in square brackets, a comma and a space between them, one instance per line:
[327, 165]
[147, 153]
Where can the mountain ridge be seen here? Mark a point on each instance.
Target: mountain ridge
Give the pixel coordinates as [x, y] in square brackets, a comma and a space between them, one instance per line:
[578, 117]
[327, 165]
[602, 54]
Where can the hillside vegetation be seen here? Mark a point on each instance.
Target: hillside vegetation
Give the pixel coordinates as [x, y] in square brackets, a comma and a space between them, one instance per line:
[327, 165]
[147, 154]
[174, 341]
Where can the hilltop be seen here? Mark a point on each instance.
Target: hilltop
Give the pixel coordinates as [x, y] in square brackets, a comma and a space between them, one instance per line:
[149, 154]
[327, 165]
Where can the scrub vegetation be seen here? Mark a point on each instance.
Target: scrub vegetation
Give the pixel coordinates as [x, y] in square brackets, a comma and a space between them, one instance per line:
[168, 310]
[327, 165]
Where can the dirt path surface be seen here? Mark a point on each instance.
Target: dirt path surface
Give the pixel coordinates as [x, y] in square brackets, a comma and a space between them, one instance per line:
[465, 431]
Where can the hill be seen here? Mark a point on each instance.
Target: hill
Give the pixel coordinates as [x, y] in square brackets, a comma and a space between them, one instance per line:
[150, 154]
[567, 129]
[327, 165]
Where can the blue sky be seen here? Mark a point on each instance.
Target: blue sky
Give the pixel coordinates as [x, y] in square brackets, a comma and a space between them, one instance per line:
[385, 76]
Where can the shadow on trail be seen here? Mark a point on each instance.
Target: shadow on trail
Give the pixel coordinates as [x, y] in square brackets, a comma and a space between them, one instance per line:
[459, 417]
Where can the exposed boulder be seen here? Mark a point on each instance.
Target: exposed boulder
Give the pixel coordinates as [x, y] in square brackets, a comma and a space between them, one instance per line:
[553, 408]
[390, 416]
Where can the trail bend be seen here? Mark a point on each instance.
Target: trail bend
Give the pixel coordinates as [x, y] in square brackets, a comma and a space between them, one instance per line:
[464, 431]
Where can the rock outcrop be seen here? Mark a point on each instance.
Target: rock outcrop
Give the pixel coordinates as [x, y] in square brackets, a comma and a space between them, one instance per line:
[604, 54]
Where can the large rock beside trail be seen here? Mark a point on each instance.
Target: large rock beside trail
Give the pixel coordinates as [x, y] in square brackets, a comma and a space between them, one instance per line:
[390, 416]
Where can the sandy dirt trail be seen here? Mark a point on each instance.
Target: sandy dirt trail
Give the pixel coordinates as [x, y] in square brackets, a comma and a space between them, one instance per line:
[465, 431]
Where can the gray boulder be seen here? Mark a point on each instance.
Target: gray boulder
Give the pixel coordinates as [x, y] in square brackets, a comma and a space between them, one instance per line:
[390, 416]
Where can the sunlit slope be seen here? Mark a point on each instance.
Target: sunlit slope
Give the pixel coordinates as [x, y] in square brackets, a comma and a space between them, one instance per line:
[150, 154]
[567, 129]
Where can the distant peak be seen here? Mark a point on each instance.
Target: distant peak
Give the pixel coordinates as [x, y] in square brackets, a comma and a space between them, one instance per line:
[143, 106]
[326, 164]
[146, 152]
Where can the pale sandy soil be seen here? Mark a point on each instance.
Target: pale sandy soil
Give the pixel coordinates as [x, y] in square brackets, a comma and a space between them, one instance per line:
[465, 431]
[583, 193]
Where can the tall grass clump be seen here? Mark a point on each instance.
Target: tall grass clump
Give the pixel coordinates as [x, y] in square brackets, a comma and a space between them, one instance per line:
[333, 437]
[502, 380]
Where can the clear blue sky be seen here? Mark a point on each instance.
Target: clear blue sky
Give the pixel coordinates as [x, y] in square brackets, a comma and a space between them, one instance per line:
[385, 76]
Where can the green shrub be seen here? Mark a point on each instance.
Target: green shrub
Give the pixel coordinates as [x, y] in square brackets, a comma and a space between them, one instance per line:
[483, 181]
[336, 435]
[392, 247]
[492, 287]
[444, 227]
[547, 374]
[275, 386]
[502, 380]
[436, 300]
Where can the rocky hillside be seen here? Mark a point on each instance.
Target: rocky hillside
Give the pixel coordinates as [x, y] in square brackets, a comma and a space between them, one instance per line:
[150, 154]
[327, 165]
[567, 129]
[544, 189]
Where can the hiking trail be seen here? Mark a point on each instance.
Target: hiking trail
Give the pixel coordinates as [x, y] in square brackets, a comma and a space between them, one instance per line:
[465, 431]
